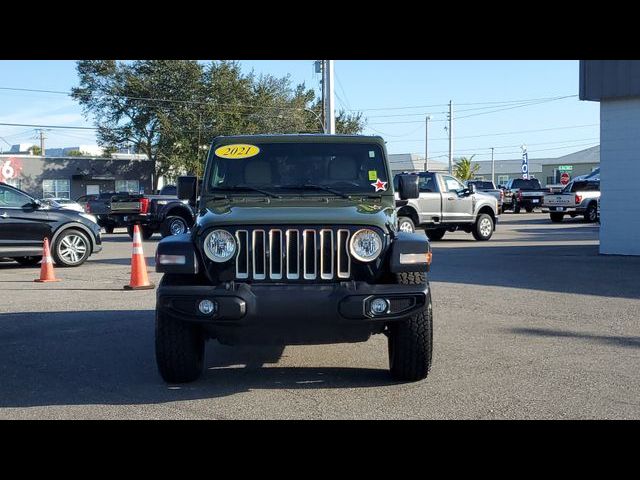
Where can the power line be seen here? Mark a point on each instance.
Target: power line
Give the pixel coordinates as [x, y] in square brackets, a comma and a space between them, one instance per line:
[506, 133]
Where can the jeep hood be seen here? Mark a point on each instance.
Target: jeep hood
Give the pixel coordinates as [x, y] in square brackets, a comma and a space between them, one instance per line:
[301, 212]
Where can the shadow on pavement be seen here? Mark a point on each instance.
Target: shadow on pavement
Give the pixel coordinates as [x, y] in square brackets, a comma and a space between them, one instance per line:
[576, 269]
[107, 357]
[616, 341]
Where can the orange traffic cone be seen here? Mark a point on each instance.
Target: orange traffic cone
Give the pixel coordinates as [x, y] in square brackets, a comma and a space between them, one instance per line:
[139, 278]
[46, 270]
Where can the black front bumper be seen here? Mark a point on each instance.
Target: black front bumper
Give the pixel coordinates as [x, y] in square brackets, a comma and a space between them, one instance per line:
[291, 314]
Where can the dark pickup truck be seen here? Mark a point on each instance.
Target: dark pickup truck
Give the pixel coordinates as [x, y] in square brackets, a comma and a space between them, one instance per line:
[523, 193]
[162, 213]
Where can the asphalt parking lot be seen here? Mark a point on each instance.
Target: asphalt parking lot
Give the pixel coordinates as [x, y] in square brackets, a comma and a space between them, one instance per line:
[533, 324]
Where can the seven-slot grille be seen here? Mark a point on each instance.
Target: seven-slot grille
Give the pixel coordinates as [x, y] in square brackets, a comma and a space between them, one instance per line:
[293, 254]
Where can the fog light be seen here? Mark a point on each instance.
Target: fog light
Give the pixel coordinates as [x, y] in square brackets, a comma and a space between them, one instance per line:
[379, 306]
[207, 307]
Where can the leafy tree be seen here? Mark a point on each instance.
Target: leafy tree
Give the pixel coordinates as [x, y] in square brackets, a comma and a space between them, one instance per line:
[35, 150]
[464, 169]
[74, 153]
[170, 110]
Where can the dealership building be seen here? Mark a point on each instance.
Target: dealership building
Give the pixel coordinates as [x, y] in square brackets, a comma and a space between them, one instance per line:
[616, 85]
[73, 176]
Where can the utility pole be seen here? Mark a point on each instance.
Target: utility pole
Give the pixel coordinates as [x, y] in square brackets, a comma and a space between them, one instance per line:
[493, 168]
[450, 137]
[327, 92]
[42, 137]
[426, 144]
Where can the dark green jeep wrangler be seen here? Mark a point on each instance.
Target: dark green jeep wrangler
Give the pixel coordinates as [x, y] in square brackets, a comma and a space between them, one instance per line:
[295, 242]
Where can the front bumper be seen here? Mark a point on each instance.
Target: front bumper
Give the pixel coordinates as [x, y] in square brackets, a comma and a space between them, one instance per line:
[291, 314]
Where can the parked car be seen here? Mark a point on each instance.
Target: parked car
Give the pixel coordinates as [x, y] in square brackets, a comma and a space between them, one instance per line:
[154, 213]
[523, 193]
[579, 197]
[295, 242]
[64, 203]
[490, 189]
[25, 222]
[445, 204]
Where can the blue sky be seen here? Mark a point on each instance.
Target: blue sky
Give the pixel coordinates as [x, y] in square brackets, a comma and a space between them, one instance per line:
[382, 90]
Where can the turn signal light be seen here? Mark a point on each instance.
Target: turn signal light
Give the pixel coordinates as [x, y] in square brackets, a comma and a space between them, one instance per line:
[578, 199]
[429, 258]
[144, 205]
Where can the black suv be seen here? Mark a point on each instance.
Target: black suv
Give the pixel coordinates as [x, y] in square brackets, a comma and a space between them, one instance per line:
[25, 222]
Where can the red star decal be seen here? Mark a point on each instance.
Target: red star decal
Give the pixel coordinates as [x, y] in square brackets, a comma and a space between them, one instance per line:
[380, 185]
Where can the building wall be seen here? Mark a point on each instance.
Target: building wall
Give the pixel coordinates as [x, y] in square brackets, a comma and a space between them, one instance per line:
[578, 169]
[620, 162]
[32, 171]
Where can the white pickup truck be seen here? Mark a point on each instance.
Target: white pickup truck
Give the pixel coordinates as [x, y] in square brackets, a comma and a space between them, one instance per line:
[580, 197]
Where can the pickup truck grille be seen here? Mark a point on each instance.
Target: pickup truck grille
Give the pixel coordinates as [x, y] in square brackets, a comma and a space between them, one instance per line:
[293, 254]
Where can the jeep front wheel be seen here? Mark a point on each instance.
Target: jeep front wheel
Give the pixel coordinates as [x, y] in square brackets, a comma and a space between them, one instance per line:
[410, 342]
[179, 349]
[405, 224]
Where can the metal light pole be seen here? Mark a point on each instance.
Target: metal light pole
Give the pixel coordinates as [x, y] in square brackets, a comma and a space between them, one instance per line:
[426, 144]
[450, 137]
[330, 114]
[493, 168]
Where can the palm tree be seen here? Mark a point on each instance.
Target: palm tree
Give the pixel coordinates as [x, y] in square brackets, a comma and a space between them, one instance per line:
[464, 169]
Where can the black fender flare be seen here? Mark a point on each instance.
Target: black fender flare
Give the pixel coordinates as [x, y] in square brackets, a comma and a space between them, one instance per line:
[76, 226]
[177, 206]
[413, 244]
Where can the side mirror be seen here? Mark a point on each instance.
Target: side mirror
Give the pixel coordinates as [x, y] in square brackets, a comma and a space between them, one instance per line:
[408, 187]
[187, 187]
[472, 188]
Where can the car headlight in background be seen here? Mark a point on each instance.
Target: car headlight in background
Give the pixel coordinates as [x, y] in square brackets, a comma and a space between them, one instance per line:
[365, 245]
[219, 246]
[89, 217]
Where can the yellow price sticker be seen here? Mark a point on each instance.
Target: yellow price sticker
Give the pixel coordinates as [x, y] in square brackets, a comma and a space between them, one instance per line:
[373, 175]
[237, 151]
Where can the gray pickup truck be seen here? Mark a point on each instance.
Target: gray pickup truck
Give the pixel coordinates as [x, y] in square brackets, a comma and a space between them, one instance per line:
[490, 189]
[580, 197]
[444, 205]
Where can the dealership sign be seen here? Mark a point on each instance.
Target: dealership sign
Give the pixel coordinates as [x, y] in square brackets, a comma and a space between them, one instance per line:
[525, 165]
[10, 168]
[565, 168]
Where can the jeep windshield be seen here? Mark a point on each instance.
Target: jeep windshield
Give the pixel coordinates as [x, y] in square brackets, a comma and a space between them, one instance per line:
[292, 168]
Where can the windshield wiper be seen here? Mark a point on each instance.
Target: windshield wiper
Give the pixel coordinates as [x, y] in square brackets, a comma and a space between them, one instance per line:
[315, 187]
[250, 188]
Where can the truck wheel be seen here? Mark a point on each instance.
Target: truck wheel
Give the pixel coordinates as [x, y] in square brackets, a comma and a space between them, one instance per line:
[71, 248]
[173, 226]
[405, 224]
[591, 216]
[483, 228]
[28, 261]
[410, 342]
[516, 208]
[109, 229]
[529, 209]
[556, 217]
[179, 349]
[435, 235]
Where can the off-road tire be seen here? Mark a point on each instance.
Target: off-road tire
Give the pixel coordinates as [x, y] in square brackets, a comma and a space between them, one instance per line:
[57, 255]
[165, 227]
[591, 216]
[28, 261]
[556, 217]
[179, 349]
[145, 232]
[109, 229]
[408, 223]
[410, 342]
[480, 231]
[435, 235]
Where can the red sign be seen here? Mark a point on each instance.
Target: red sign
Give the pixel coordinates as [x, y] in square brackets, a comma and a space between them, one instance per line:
[9, 168]
[564, 178]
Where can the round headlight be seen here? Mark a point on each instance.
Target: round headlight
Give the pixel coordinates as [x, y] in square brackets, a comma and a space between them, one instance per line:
[365, 245]
[219, 246]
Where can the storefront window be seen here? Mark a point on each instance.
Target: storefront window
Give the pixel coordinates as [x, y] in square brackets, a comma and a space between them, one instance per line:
[129, 186]
[14, 182]
[56, 189]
